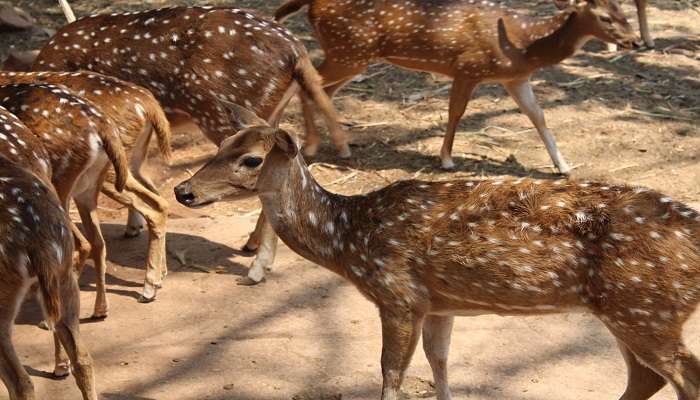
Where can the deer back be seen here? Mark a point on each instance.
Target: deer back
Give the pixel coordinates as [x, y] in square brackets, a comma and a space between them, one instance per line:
[73, 131]
[129, 106]
[19, 145]
[189, 57]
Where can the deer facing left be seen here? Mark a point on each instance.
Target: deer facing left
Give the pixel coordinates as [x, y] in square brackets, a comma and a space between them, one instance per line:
[424, 252]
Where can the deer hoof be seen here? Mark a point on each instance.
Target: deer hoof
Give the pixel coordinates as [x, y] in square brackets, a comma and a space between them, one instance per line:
[132, 231]
[145, 300]
[249, 248]
[61, 370]
[310, 149]
[247, 281]
[448, 164]
[43, 325]
[344, 151]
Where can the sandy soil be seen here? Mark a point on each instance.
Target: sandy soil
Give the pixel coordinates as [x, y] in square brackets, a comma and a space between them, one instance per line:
[307, 335]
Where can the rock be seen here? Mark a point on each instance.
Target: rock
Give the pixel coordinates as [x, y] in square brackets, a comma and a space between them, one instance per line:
[14, 18]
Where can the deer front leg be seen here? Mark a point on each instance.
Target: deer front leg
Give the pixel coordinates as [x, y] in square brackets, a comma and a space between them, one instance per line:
[254, 239]
[400, 332]
[265, 257]
[462, 90]
[521, 91]
[437, 331]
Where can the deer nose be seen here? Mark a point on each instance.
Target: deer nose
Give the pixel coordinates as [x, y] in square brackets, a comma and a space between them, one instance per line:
[183, 193]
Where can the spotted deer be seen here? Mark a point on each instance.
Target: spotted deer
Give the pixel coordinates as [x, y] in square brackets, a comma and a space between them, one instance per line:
[197, 60]
[82, 144]
[424, 252]
[641, 16]
[36, 249]
[471, 41]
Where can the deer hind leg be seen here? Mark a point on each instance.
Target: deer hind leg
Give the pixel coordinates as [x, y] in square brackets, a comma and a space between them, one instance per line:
[642, 382]
[86, 203]
[68, 333]
[437, 331]
[462, 90]
[400, 333]
[663, 352]
[334, 77]
[82, 249]
[265, 257]
[136, 222]
[13, 374]
[155, 210]
[521, 91]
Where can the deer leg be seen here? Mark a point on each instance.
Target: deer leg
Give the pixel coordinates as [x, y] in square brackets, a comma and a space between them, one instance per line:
[663, 352]
[642, 382]
[86, 203]
[254, 239]
[437, 331]
[400, 333]
[13, 374]
[276, 116]
[154, 209]
[462, 90]
[82, 247]
[68, 333]
[644, 23]
[521, 91]
[334, 77]
[265, 256]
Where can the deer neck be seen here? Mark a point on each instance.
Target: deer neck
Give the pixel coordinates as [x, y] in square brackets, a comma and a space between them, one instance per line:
[554, 39]
[310, 220]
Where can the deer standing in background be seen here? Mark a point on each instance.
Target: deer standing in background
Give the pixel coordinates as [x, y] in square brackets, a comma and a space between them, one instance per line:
[36, 249]
[138, 116]
[470, 41]
[424, 252]
[81, 143]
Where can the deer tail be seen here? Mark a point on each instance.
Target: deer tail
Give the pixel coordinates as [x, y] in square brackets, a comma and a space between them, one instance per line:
[161, 127]
[114, 149]
[289, 8]
[48, 266]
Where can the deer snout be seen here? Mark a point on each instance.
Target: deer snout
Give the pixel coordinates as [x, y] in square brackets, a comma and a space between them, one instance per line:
[183, 193]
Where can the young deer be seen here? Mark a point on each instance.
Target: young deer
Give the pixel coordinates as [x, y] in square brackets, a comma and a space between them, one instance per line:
[197, 59]
[471, 41]
[424, 252]
[641, 16]
[36, 248]
[81, 143]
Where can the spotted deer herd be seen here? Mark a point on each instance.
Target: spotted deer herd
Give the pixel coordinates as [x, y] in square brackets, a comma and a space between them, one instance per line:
[80, 123]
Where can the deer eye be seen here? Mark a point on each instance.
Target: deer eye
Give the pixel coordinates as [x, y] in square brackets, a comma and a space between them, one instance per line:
[252, 162]
[605, 19]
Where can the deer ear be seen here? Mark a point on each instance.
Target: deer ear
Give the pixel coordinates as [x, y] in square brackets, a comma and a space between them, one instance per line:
[285, 142]
[241, 117]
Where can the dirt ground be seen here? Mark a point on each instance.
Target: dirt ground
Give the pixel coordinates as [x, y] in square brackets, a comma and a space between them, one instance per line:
[305, 334]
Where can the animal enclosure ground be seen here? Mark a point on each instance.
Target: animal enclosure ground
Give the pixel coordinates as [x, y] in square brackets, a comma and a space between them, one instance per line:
[306, 335]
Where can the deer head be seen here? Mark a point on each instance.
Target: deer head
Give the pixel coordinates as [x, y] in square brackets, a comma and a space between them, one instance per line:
[604, 20]
[233, 172]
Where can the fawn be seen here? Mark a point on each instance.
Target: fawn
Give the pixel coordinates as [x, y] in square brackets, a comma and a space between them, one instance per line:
[197, 59]
[36, 248]
[470, 41]
[138, 116]
[81, 143]
[424, 252]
